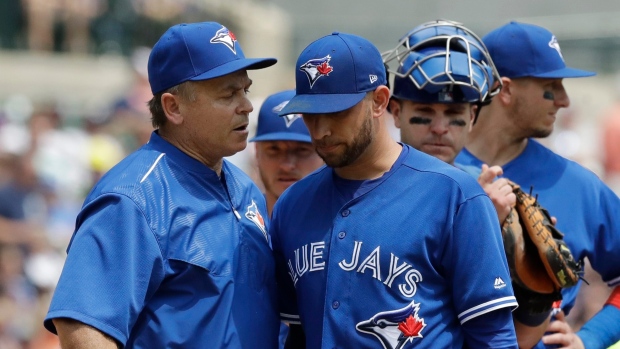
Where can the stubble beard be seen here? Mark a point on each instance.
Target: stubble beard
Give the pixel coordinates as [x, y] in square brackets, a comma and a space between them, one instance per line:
[354, 149]
[529, 131]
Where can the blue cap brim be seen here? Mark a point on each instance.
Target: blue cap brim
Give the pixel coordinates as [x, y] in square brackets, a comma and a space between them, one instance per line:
[282, 136]
[236, 65]
[565, 73]
[321, 103]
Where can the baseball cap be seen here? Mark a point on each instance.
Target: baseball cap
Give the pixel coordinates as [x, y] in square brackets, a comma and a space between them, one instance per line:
[334, 73]
[197, 51]
[527, 50]
[272, 127]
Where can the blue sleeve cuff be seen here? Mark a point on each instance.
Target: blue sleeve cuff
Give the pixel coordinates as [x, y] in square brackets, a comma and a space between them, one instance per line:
[602, 330]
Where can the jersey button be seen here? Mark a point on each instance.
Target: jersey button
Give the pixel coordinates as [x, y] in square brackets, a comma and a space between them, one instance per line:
[345, 213]
[335, 304]
[342, 234]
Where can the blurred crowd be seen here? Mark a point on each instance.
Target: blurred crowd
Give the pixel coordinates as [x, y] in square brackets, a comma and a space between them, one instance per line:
[48, 162]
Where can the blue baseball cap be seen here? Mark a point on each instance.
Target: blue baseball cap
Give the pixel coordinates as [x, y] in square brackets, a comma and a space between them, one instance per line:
[197, 51]
[527, 50]
[272, 127]
[334, 73]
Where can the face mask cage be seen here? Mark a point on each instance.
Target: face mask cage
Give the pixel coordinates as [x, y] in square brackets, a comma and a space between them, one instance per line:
[439, 57]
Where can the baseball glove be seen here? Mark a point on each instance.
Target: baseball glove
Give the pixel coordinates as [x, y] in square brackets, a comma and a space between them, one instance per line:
[540, 262]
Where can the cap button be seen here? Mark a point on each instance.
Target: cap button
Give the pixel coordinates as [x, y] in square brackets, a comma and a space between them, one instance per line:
[336, 33]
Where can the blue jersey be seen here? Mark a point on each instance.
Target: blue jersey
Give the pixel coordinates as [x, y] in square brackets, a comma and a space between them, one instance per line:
[586, 209]
[167, 254]
[399, 261]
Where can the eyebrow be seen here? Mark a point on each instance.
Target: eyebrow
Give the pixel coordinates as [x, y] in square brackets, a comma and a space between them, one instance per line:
[236, 85]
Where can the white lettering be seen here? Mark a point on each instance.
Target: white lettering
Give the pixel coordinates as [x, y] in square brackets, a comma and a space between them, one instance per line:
[292, 273]
[413, 276]
[301, 271]
[354, 259]
[395, 269]
[316, 254]
[372, 262]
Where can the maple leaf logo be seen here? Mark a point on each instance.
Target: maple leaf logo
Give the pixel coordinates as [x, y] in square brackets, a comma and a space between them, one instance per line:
[324, 68]
[316, 68]
[411, 326]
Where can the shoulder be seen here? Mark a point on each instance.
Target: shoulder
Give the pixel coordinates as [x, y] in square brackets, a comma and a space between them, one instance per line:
[421, 167]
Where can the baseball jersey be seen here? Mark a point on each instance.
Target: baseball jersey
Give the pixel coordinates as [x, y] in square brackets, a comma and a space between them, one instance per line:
[586, 209]
[167, 254]
[399, 261]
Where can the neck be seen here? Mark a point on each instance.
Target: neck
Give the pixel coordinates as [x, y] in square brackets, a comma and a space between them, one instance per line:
[271, 201]
[183, 144]
[378, 158]
[493, 139]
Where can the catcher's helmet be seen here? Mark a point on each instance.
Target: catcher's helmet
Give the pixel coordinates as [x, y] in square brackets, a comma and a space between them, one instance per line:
[442, 62]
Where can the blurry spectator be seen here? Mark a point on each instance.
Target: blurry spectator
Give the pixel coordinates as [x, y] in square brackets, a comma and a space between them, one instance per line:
[611, 147]
[73, 16]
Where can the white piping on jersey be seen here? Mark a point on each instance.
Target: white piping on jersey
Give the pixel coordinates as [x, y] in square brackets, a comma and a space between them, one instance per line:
[291, 319]
[499, 300]
[236, 213]
[614, 282]
[152, 167]
[515, 304]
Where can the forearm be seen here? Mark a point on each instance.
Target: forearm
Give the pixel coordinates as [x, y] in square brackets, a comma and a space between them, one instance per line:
[76, 335]
[603, 329]
[528, 336]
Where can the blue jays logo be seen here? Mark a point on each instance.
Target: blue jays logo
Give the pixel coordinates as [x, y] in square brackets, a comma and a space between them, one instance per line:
[315, 68]
[254, 215]
[288, 119]
[396, 327]
[555, 45]
[226, 37]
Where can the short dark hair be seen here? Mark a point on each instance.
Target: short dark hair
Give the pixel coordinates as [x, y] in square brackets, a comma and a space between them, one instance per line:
[158, 117]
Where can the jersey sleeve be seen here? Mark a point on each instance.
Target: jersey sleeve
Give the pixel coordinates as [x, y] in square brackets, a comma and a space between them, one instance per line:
[113, 266]
[604, 257]
[475, 261]
[287, 300]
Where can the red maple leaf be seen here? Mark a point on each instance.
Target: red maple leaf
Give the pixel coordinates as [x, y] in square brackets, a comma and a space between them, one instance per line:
[324, 68]
[232, 36]
[411, 327]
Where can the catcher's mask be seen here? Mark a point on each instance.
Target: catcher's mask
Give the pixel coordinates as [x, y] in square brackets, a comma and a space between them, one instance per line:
[442, 62]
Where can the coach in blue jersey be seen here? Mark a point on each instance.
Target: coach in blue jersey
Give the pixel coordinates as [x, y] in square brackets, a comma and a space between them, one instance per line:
[386, 246]
[171, 249]
[529, 59]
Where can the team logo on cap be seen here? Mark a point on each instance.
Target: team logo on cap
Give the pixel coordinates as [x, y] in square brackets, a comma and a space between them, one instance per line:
[396, 327]
[315, 68]
[555, 45]
[253, 214]
[289, 118]
[226, 37]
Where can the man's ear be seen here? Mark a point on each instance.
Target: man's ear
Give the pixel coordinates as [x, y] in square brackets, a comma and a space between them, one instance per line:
[395, 111]
[171, 106]
[505, 95]
[380, 99]
[472, 115]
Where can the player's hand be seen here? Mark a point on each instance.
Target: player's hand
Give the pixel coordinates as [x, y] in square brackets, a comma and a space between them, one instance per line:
[499, 190]
[562, 335]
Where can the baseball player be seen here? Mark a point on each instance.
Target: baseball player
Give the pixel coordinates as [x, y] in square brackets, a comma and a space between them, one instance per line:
[375, 249]
[284, 152]
[444, 76]
[529, 60]
[171, 248]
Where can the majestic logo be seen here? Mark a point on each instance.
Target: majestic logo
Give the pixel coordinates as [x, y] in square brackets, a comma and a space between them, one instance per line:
[315, 68]
[555, 45]
[254, 215]
[499, 283]
[396, 327]
[226, 37]
[289, 118]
